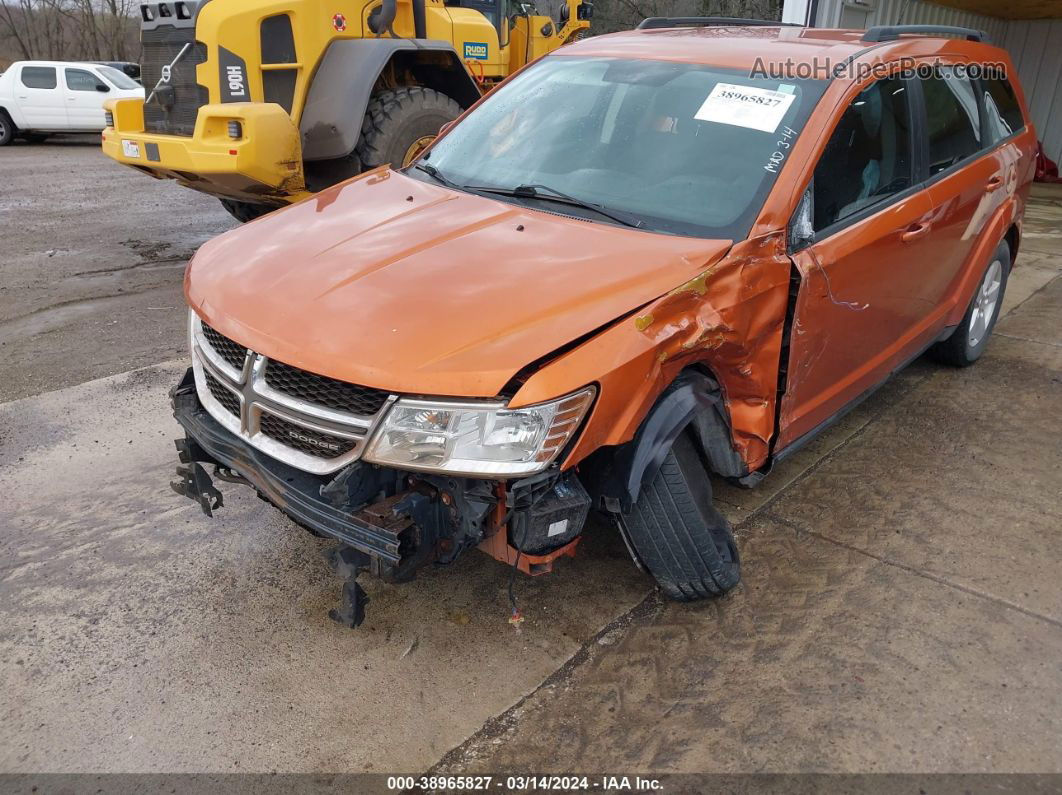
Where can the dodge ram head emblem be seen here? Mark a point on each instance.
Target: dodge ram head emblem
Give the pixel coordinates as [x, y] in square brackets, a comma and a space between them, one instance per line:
[339, 22]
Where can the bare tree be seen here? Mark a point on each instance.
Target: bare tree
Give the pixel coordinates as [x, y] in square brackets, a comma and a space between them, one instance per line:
[91, 30]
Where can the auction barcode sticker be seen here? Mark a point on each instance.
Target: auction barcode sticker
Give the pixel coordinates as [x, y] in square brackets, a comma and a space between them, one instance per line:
[745, 106]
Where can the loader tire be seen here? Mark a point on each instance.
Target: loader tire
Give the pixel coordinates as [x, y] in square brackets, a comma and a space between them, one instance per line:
[245, 211]
[7, 128]
[684, 542]
[400, 123]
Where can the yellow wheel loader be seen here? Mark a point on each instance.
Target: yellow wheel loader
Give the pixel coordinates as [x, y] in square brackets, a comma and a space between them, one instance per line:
[263, 103]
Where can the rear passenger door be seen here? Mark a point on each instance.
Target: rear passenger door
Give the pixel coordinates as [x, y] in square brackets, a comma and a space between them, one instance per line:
[859, 241]
[40, 99]
[967, 183]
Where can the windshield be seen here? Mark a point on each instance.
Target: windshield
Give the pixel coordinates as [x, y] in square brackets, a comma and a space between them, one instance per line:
[120, 79]
[683, 148]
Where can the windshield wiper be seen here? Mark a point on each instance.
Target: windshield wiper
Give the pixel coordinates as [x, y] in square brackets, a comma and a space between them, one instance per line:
[554, 195]
[435, 174]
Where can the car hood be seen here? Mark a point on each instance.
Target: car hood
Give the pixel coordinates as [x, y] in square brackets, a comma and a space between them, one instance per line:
[391, 282]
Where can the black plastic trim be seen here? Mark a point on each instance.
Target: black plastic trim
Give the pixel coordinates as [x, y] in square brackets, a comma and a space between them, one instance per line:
[893, 32]
[692, 399]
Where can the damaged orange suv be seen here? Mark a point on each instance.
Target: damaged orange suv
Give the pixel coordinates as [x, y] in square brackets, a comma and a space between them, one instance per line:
[647, 257]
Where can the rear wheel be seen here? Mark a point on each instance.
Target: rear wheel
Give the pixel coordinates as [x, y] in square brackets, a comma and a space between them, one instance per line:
[7, 129]
[686, 544]
[245, 211]
[969, 339]
[399, 124]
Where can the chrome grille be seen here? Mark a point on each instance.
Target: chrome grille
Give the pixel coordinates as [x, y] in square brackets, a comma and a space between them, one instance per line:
[323, 391]
[231, 352]
[303, 439]
[312, 422]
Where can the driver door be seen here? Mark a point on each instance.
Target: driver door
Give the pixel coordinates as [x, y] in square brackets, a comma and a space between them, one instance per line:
[84, 93]
[862, 308]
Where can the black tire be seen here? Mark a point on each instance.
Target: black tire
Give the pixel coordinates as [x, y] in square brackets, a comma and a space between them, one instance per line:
[964, 346]
[396, 120]
[245, 211]
[7, 128]
[684, 542]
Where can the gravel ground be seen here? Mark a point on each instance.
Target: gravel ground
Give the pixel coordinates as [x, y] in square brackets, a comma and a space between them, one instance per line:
[91, 264]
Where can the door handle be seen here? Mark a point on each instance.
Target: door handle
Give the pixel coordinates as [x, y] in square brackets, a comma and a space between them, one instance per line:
[994, 184]
[914, 232]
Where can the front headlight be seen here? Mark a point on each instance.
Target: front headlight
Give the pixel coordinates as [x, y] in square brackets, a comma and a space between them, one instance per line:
[483, 439]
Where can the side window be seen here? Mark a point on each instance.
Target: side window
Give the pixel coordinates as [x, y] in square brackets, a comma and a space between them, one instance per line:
[38, 76]
[1002, 111]
[868, 157]
[80, 80]
[953, 124]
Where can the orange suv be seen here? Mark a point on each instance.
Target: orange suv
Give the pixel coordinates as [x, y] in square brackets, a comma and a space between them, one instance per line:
[646, 257]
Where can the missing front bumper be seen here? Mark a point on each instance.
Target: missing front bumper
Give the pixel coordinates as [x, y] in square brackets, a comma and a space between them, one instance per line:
[296, 493]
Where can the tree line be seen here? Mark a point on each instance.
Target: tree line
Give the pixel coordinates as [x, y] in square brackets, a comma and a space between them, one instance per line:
[69, 30]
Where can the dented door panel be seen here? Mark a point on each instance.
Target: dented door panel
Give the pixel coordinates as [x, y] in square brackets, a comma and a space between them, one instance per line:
[860, 311]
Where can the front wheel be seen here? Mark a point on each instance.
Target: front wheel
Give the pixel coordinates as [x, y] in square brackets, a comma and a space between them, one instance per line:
[684, 542]
[245, 211]
[969, 339]
[7, 129]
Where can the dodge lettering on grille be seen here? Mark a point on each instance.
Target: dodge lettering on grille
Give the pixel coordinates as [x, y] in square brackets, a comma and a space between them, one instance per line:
[315, 442]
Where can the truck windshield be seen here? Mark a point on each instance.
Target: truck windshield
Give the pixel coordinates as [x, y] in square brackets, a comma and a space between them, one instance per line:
[683, 148]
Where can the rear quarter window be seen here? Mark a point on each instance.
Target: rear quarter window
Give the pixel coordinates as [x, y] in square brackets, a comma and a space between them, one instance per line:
[1002, 111]
[38, 77]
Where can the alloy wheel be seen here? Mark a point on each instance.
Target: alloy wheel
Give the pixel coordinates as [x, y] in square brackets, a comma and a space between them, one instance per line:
[985, 304]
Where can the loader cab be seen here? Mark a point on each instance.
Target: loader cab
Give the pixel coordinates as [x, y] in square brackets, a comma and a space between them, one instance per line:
[496, 12]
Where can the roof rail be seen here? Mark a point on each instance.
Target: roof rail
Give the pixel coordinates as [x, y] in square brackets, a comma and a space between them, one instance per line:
[891, 32]
[650, 23]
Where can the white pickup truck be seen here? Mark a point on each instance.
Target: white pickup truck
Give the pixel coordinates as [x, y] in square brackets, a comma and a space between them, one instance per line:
[38, 98]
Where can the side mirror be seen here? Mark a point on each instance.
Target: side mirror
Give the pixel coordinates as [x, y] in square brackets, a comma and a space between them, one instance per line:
[102, 88]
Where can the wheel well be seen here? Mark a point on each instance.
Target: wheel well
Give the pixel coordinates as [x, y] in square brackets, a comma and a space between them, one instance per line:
[439, 70]
[693, 403]
[712, 428]
[1012, 237]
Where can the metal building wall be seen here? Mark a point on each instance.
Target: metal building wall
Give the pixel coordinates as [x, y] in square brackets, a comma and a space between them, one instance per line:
[1036, 47]
[914, 12]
